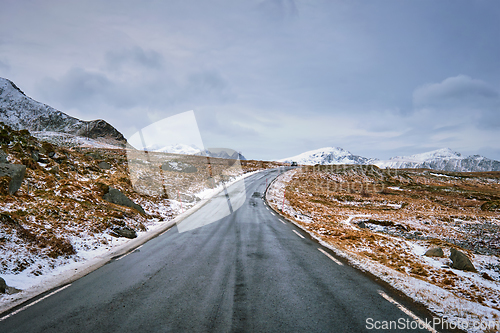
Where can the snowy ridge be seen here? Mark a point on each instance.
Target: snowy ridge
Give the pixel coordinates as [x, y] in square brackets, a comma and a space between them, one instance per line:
[184, 149]
[442, 159]
[22, 112]
[326, 156]
[178, 148]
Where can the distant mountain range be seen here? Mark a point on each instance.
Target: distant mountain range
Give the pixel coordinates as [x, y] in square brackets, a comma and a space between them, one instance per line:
[328, 155]
[22, 112]
[442, 159]
[185, 149]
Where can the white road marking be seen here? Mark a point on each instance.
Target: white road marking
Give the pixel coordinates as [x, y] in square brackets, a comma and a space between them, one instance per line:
[38, 300]
[298, 234]
[123, 256]
[331, 257]
[282, 221]
[408, 312]
[273, 213]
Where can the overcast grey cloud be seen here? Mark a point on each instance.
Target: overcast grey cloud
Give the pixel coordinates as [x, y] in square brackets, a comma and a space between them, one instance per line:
[270, 78]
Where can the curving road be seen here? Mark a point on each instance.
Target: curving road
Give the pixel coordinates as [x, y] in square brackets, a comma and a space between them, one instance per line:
[249, 271]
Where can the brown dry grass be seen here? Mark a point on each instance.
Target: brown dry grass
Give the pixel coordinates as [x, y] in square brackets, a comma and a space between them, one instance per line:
[446, 211]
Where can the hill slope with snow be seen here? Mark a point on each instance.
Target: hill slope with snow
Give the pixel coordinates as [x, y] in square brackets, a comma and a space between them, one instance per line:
[22, 112]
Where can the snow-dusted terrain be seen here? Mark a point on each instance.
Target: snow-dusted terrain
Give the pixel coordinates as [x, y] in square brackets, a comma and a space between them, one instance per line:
[70, 140]
[22, 112]
[465, 298]
[442, 159]
[325, 156]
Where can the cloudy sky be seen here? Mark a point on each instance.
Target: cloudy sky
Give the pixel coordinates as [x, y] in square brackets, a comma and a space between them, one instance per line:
[270, 78]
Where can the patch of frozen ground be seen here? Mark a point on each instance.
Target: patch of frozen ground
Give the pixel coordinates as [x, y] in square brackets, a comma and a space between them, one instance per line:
[91, 247]
[347, 222]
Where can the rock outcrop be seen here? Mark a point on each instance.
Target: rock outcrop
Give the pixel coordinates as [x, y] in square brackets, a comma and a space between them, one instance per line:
[3, 157]
[461, 261]
[104, 165]
[435, 252]
[117, 197]
[15, 172]
[123, 232]
[3, 286]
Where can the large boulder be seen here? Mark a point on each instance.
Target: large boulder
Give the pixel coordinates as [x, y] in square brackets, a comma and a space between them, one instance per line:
[104, 165]
[434, 252]
[3, 286]
[115, 196]
[124, 232]
[461, 261]
[15, 172]
[3, 157]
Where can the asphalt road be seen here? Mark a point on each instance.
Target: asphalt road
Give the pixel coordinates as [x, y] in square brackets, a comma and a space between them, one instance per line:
[246, 272]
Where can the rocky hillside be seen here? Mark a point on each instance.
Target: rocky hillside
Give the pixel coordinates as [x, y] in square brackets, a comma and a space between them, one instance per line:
[22, 112]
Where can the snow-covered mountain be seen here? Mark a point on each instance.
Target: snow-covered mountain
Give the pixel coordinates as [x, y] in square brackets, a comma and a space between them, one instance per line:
[325, 156]
[185, 149]
[222, 153]
[442, 159]
[22, 112]
[178, 148]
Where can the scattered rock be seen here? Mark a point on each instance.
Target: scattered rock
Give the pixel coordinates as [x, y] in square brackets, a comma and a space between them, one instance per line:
[59, 158]
[491, 206]
[3, 157]
[15, 172]
[461, 261]
[3, 285]
[124, 232]
[104, 165]
[48, 149]
[435, 252]
[361, 224]
[115, 196]
[35, 155]
[93, 155]
[486, 276]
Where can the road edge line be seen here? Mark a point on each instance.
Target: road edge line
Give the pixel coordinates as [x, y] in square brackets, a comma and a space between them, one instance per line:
[407, 312]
